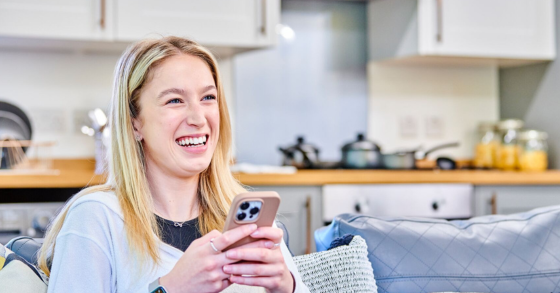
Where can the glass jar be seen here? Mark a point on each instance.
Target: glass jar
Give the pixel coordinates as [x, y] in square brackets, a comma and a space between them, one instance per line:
[487, 146]
[508, 151]
[534, 150]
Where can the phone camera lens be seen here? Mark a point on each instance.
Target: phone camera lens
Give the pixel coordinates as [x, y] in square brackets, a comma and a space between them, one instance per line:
[254, 210]
[241, 216]
[244, 206]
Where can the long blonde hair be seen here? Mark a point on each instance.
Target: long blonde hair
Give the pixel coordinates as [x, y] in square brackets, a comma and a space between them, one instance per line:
[126, 176]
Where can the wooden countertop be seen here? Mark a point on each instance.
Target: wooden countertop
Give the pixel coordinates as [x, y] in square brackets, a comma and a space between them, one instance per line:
[79, 173]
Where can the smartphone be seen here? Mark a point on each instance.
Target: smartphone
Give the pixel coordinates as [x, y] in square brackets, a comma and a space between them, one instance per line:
[252, 207]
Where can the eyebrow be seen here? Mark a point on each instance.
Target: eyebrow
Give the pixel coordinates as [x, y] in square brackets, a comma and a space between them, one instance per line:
[182, 92]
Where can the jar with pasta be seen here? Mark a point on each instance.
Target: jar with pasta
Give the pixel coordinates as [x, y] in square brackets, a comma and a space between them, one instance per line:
[487, 146]
[534, 150]
[509, 149]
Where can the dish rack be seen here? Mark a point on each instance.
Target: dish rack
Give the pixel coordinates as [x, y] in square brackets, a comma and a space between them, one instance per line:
[25, 157]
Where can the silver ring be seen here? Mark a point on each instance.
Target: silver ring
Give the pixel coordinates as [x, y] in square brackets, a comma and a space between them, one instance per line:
[212, 245]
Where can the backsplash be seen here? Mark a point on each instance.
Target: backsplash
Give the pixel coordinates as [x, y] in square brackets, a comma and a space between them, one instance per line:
[411, 106]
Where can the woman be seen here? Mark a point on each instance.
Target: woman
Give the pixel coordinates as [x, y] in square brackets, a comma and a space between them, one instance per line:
[155, 224]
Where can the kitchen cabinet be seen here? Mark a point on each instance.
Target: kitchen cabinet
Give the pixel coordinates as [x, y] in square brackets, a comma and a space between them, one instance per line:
[238, 25]
[504, 32]
[211, 22]
[293, 212]
[514, 199]
[56, 19]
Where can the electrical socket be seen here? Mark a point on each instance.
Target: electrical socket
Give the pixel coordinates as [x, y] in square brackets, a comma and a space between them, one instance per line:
[408, 126]
[434, 126]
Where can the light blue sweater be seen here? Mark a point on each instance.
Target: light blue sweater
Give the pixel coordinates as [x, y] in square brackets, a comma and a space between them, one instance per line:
[92, 252]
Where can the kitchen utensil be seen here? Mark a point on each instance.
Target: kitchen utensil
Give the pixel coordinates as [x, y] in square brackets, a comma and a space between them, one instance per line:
[99, 131]
[444, 163]
[14, 126]
[407, 159]
[301, 155]
[361, 154]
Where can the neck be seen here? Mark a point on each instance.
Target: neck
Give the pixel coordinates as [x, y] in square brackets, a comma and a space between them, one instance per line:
[175, 198]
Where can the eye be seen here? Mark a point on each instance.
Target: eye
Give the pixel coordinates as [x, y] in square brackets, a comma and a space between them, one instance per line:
[174, 101]
[209, 97]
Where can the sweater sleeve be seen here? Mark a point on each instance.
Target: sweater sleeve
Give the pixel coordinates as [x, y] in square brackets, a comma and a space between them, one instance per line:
[82, 255]
[300, 286]
[79, 265]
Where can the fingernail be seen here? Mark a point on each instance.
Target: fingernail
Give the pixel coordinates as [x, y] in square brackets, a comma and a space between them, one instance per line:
[256, 233]
[231, 253]
[253, 226]
[227, 269]
[269, 244]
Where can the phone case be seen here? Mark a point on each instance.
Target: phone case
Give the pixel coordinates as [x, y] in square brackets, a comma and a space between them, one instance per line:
[270, 202]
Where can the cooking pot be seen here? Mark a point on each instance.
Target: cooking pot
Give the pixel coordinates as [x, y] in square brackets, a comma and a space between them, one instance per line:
[301, 155]
[361, 154]
[407, 159]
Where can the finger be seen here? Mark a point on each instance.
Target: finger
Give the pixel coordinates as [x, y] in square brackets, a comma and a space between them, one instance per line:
[271, 233]
[266, 282]
[206, 238]
[259, 244]
[255, 269]
[225, 283]
[230, 237]
[255, 254]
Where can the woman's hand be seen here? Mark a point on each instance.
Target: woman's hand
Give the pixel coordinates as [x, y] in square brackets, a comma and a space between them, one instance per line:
[200, 269]
[263, 263]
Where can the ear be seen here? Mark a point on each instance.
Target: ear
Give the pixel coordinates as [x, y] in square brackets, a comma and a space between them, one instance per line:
[137, 125]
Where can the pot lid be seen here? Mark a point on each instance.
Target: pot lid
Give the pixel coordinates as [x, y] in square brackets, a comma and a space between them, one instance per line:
[302, 146]
[361, 144]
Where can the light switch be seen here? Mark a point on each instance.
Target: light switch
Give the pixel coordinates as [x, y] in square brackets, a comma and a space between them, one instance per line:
[434, 126]
[408, 126]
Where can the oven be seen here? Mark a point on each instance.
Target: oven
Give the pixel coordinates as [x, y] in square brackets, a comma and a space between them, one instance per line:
[444, 201]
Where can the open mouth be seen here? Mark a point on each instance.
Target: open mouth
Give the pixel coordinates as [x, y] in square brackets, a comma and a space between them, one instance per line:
[192, 141]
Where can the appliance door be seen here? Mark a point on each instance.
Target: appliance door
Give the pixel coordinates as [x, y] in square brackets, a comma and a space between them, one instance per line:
[26, 219]
[444, 201]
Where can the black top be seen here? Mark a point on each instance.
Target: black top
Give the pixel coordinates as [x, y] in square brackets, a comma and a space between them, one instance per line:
[177, 236]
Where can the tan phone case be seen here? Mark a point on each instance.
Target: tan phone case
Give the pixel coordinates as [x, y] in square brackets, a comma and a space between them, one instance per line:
[269, 202]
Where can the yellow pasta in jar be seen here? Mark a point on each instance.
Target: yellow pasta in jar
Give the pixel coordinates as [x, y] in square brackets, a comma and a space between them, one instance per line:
[534, 161]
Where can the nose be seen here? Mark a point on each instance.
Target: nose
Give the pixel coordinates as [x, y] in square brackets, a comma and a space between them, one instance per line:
[195, 116]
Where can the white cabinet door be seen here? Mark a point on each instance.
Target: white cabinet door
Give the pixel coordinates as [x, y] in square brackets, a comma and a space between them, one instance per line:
[514, 199]
[243, 23]
[487, 28]
[56, 19]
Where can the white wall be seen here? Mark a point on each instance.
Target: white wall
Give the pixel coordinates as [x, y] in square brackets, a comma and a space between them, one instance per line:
[56, 88]
[403, 100]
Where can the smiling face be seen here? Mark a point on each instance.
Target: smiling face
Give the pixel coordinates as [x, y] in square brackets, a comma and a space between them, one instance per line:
[179, 116]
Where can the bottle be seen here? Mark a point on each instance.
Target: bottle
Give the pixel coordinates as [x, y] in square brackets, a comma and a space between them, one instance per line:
[509, 150]
[487, 146]
[534, 151]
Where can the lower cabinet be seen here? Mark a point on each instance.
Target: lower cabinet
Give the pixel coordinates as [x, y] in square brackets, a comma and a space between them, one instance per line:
[300, 211]
[514, 199]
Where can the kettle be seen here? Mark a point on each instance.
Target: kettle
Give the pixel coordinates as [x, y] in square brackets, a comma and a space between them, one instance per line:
[301, 155]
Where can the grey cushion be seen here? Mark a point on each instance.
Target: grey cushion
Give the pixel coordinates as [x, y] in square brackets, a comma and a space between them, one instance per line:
[509, 254]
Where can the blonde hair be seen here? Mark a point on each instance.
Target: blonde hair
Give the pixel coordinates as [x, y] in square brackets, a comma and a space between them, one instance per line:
[127, 178]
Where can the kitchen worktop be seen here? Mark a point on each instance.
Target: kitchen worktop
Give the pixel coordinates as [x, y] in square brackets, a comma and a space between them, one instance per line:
[79, 173]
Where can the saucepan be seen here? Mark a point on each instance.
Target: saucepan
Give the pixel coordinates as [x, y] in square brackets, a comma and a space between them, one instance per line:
[406, 160]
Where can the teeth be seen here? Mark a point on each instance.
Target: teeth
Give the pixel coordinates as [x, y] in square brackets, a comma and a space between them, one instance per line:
[192, 141]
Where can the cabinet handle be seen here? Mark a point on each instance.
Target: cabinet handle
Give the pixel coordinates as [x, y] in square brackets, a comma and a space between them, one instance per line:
[494, 203]
[102, 18]
[439, 21]
[308, 225]
[263, 17]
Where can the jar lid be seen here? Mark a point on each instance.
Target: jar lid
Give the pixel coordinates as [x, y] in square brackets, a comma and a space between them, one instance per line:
[513, 124]
[487, 126]
[533, 134]
[361, 144]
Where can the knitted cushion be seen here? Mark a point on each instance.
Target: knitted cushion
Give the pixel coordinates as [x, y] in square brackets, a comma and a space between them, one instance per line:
[342, 269]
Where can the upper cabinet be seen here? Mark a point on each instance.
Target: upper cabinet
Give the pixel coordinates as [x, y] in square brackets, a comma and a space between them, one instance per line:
[237, 25]
[244, 23]
[503, 32]
[56, 19]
